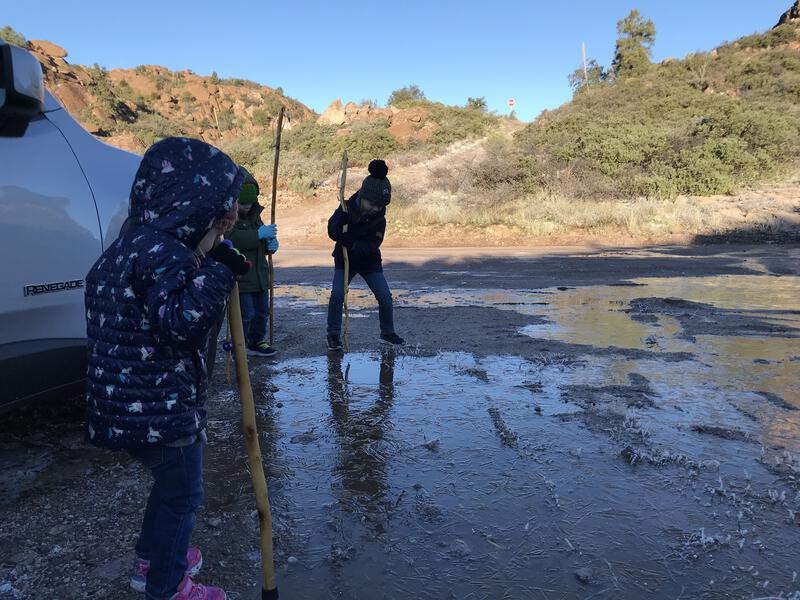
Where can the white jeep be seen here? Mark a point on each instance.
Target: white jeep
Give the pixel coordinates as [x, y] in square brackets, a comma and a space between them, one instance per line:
[63, 197]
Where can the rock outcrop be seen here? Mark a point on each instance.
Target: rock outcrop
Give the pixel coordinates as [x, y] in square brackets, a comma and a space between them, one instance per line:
[404, 123]
[791, 15]
[333, 115]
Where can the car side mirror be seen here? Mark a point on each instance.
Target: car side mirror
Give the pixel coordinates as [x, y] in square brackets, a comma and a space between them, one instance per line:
[21, 89]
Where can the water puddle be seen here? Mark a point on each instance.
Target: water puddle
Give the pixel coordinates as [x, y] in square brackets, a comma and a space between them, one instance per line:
[580, 474]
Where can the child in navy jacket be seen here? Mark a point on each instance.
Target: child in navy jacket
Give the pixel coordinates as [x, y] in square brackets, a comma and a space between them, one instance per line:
[151, 300]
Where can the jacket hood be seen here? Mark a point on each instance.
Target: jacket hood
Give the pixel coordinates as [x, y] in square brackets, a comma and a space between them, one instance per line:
[182, 186]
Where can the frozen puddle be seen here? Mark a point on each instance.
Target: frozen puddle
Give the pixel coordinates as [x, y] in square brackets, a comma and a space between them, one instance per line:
[451, 476]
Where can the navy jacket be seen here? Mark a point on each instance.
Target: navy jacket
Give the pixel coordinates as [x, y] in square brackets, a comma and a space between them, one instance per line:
[151, 301]
[363, 238]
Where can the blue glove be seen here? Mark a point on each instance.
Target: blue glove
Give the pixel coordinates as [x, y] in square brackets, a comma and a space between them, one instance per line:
[272, 245]
[267, 231]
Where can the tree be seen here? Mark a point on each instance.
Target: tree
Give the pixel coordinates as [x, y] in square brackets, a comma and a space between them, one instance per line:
[636, 36]
[13, 37]
[409, 93]
[214, 78]
[594, 74]
[477, 104]
[698, 64]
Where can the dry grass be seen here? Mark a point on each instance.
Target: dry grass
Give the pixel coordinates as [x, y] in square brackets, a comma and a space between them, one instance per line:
[770, 212]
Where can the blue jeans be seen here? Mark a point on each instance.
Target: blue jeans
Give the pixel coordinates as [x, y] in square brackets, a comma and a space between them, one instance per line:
[169, 516]
[255, 315]
[377, 283]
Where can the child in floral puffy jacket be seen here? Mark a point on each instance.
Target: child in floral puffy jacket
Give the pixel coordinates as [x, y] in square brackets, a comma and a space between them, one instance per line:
[151, 301]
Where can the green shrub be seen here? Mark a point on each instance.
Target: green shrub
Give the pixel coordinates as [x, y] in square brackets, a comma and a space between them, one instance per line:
[87, 114]
[272, 104]
[151, 127]
[405, 95]
[455, 123]
[304, 185]
[248, 152]
[107, 97]
[779, 36]
[262, 117]
[369, 140]
[310, 139]
[226, 120]
[477, 104]
[8, 34]
[238, 82]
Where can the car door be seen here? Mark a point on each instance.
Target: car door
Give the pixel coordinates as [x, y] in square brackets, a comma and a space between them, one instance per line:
[49, 238]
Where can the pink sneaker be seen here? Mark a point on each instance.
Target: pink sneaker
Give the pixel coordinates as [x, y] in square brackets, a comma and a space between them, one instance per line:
[141, 567]
[189, 590]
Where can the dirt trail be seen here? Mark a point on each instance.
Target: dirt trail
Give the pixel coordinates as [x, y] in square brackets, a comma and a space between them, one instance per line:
[303, 222]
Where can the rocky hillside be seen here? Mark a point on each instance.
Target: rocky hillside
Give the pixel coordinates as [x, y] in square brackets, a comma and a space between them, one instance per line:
[131, 108]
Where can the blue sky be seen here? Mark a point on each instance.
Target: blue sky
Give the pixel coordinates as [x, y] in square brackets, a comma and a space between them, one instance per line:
[320, 50]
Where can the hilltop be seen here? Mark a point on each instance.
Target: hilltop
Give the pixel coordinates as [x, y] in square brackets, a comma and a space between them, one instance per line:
[131, 108]
[709, 123]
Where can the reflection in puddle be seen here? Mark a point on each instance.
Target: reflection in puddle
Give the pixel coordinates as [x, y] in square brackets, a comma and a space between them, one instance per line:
[742, 338]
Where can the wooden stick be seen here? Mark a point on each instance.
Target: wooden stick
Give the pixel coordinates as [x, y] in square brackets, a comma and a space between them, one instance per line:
[343, 203]
[272, 220]
[269, 589]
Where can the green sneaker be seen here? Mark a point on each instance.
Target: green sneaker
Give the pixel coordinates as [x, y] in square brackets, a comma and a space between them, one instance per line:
[261, 349]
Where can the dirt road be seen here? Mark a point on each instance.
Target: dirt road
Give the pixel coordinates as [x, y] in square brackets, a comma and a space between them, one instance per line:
[563, 424]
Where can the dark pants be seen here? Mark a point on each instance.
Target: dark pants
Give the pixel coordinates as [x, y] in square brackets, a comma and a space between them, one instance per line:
[169, 516]
[255, 315]
[377, 283]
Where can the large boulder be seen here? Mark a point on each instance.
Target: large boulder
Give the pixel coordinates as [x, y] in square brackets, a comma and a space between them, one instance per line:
[333, 115]
[410, 122]
[74, 97]
[337, 114]
[48, 48]
[126, 141]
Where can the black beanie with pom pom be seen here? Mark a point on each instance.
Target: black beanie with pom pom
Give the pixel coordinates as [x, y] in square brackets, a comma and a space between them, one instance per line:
[378, 169]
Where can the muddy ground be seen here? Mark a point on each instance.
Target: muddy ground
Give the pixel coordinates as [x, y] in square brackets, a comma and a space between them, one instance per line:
[566, 424]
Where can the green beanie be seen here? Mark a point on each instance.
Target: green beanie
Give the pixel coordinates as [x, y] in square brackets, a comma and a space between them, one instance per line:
[249, 194]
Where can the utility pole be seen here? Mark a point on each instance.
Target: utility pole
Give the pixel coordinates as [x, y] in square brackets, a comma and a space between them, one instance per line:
[585, 70]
